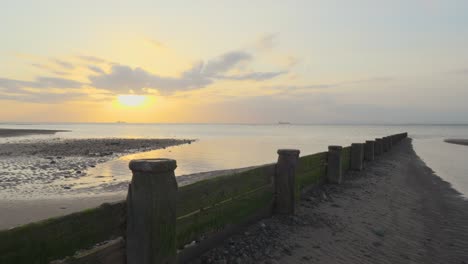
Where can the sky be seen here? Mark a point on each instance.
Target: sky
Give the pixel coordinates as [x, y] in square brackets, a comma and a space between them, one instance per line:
[310, 61]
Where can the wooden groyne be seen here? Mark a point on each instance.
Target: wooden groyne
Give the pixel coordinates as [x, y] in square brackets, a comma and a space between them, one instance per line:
[162, 223]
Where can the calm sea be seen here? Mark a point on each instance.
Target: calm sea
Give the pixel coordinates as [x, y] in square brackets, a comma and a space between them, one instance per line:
[230, 146]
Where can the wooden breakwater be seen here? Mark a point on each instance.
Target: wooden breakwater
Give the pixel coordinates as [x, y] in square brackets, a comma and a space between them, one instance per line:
[161, 223]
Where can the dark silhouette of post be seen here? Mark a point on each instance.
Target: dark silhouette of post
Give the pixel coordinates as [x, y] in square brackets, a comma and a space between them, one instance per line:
[151, 212]
[385, 145]
[357, 156]
[369, 150]
[378, 146]
[334, 160]
[285, 181]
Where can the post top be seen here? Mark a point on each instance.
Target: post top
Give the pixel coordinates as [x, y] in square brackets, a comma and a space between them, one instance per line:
[290, 152]
[335, 147]
[378, 139]
[370, 141]
[153, 165]
[357, 144]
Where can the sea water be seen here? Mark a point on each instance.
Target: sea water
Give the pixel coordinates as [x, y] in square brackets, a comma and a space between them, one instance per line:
[228, 146]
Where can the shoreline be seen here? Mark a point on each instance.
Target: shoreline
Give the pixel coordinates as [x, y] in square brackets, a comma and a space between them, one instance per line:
[52, 173]
[9, 132]
[463, 142]
[19, 212]
[395, 211]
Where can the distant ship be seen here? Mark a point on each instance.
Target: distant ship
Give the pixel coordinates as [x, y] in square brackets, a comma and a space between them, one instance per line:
[121, 122]
[283, 123]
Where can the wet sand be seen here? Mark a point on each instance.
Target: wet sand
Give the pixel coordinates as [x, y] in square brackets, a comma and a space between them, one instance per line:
[395, 211]
[457, 141]
[33, 168]
[6, 132]
[42, 178]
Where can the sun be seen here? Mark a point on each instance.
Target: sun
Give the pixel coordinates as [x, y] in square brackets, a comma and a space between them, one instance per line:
[131, 100]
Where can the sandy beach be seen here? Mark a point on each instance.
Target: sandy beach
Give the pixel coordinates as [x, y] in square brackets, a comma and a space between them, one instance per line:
[395, 211]
[457, 141]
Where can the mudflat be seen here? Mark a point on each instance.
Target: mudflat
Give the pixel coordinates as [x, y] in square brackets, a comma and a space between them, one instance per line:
[457, 141]
[6, 132]
[395, 211]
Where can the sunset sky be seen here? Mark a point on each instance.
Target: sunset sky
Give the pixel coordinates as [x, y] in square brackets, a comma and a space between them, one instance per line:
[363, 61]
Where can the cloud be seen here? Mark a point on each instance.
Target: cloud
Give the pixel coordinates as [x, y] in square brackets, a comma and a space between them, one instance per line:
[96, 69]
[91, 59]
[45, 98]
[40, 82]
[123, 78]
[64, 64]
[255, 76]
[267, 41]
[225, 62]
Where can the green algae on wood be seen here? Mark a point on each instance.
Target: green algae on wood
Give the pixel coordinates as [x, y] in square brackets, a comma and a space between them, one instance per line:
[56, 238]
[211, 191]
[231, 212]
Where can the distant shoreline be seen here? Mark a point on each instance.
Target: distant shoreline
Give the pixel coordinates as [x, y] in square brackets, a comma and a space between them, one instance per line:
[7, 132]
[457, 141]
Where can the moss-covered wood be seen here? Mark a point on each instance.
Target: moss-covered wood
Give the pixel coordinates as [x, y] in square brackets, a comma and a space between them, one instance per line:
[311, 170]
[346, 159]
[231, 211]
[59, 237]
[209, 192]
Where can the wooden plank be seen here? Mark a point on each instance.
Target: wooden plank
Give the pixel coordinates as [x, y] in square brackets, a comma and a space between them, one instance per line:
[56, 238]
[112, 252]
[346, 159]
[211, 191]
[310, 162]
[215, 239]
[311, 170]
[231, 211]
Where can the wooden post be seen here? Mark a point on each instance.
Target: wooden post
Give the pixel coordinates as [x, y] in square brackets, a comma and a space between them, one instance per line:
[334, 174]
[369, 150]
[357, 156]
[378, 146]
[151, 212]
[285, 181]
[385, 146]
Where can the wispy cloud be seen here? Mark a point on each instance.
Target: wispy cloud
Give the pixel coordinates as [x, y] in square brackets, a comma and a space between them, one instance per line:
[91, 59]
[96, 69]
[267, 41]
[123, 78]
[39, 82]
[254, 76]
[64, 64]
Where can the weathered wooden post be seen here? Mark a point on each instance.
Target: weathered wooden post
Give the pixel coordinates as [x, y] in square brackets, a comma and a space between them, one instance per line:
[390, 142]
[334, 160]
[357, 156]
[369, 150]
[378, 146]
[151, 212]
[285, 181]
[385, 146]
